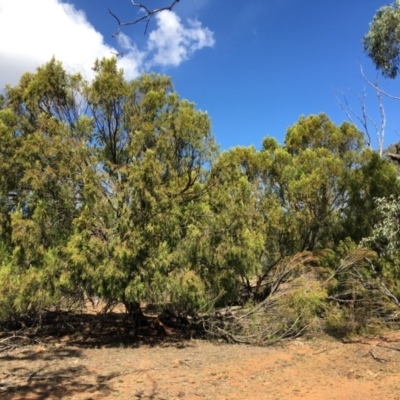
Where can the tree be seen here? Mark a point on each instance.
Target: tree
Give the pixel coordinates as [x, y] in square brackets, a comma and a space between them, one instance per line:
[308, 178]
[44, 147]
[116, 189]
[236, 227]
[319, 186]
[382, 42]
[385, 238]
[153, 151]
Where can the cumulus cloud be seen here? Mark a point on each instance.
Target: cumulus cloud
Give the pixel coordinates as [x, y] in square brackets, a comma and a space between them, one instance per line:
[133, 59]
[171, 43]
[32, 32]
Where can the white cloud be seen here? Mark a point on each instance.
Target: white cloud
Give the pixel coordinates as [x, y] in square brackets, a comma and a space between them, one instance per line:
[171, 43]
[133, 59]
[31, 32]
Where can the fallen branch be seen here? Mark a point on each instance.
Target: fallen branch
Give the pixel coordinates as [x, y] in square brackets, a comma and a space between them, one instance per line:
[388, 347]
[376, 358]
[5, 346]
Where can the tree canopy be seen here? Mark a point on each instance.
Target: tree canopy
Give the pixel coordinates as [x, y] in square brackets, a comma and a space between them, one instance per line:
[116, 189]
[382, 42]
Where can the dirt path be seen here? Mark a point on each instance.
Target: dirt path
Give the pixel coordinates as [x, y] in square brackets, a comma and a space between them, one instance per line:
[303, 369]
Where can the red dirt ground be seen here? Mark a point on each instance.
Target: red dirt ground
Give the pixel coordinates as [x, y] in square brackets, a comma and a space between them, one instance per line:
[319, 368]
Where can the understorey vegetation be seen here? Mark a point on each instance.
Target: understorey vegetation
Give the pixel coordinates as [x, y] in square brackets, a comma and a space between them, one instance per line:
[115, 191]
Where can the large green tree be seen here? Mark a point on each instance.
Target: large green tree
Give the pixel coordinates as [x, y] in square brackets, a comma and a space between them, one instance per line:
[154, 149]
[116, 189]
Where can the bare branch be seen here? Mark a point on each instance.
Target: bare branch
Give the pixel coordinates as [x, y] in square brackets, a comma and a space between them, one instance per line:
[365, 118]
[352, 115]
[147, 13]
[376, 87]
[146, 17]
[380, 134]
[379, 285]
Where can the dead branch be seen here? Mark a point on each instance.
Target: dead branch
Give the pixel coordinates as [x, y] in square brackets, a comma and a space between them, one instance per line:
[376, 87]
[355, 258]
[388, 347]
[7, 343]
[146, 17]
[365, 118]
[374, 284]
[352, 115]
[376, 358]
[383, 288]
[264, 323]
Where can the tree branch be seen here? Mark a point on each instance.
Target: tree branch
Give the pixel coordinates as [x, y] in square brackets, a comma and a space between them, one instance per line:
[377, 88]
[148, 14]
[350, 113]
[365, 119]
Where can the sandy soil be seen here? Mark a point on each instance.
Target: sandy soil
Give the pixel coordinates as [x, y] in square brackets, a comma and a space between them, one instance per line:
[319, 368]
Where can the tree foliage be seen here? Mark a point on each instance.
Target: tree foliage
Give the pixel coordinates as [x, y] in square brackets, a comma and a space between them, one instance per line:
[382, 42]
[116, 189]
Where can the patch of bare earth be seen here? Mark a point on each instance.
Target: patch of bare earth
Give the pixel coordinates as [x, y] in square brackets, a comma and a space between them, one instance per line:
[319, 368]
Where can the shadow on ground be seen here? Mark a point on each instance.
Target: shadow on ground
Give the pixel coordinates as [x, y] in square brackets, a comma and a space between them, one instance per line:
[88, 331]
[41, 359]
[22, 383]
[58, 339]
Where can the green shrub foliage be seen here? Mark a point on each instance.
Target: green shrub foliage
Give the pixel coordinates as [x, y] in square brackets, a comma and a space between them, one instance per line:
[116, 189]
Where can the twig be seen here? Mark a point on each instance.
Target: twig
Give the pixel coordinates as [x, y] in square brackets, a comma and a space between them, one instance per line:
[376, 358]
[8, 346]
[382, 287]
[17, 337]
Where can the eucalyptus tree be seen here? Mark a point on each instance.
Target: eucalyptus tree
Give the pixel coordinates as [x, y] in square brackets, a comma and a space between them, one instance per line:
[382, 42]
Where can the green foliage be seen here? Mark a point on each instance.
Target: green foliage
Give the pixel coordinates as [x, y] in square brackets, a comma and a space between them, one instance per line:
[40, 191]
[232, 232]
[306, 184]
[385, 237]
[187, 291]
[116, 189]
[376, 178]
[385, 240]
[300, 308]
[131, 235]
[382, 42]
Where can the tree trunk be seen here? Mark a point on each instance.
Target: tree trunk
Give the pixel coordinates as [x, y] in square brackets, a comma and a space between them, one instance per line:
[135, 312]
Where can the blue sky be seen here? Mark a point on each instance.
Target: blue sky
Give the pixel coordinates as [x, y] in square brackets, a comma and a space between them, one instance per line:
[254, 66]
